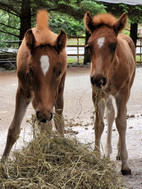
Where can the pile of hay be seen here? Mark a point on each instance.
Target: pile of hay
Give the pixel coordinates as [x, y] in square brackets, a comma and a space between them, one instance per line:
[54, 162]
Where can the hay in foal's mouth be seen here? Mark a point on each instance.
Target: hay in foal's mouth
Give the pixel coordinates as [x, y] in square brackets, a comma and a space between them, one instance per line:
[98, 96]
[54, 162]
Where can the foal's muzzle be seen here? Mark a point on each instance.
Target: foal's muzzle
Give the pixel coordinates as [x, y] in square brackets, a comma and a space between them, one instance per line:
[98, 80]
[43, 117]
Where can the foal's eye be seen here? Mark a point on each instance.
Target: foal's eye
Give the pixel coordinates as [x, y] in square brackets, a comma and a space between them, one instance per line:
[113, 46]
[58, 73]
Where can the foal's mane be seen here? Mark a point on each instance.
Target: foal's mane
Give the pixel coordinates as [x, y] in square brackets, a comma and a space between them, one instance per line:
[42, 32]
[42, 20]
[104, 19]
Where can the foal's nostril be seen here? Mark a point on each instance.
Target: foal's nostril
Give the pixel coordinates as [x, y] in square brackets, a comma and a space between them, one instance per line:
[42, 117]
[38, 115]
[99, 81]
[51, 116]
[92, 80]
[102, 81]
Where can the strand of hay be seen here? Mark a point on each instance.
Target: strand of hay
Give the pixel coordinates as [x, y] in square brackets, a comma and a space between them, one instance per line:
[54, 162]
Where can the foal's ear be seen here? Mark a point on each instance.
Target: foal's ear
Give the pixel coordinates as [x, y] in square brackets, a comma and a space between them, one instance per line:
[88, 22]
[120, 23]
[30, 39]
[61, 41]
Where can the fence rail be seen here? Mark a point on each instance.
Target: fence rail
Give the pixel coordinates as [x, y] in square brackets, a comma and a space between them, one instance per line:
[75, 50]
[139, 50]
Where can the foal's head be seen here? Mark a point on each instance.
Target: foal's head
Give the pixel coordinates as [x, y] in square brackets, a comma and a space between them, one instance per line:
[46, 68]
[102, 43]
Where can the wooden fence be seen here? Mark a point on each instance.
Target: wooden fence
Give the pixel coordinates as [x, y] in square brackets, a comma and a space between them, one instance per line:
[80, 40]
[75, 50]
[8, 52]
[76, 46]
[139, 50]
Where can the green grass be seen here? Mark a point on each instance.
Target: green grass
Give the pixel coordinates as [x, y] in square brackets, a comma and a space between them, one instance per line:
[71, 60]
[138, 58]
[73, 41]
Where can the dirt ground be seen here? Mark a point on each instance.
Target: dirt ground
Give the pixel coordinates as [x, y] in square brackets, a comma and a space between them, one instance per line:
[78, 111]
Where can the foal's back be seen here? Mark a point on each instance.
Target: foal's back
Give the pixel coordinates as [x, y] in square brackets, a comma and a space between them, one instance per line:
[130, 43]
[126, 57]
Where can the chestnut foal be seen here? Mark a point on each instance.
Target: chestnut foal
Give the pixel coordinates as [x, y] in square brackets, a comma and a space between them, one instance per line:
[41, 71]
[112, 74]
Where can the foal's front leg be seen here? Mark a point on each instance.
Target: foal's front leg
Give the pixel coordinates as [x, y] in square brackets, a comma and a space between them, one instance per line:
[99, 124]
[121, 101]
[14, 130]
[58, 118]
[110, 119]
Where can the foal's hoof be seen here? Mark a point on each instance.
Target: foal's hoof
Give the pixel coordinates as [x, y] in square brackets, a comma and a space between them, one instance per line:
[126, 171]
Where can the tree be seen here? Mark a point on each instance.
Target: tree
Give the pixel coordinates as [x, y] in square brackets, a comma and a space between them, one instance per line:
[133, 12]
[25, 17]
[25, 10]
[20, 11]
[7, 30]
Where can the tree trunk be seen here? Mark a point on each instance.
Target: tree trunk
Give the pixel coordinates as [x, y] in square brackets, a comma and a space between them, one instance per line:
[25, 18]
[86, 50]
[133, 32]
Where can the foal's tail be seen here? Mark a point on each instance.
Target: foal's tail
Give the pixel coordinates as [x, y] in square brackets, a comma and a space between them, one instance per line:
[42, 20]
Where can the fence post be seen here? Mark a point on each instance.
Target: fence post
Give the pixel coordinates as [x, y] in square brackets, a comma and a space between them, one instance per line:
[77, 49]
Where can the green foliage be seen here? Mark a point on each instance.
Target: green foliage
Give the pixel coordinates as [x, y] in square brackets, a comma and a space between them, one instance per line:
[133, 12]
[92, 6]
[126, 32]
[124, 8]
[138, 16]
[10, 25]
[72, 26]
[65, 14]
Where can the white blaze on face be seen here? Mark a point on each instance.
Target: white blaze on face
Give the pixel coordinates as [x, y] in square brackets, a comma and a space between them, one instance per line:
[44, 63]
[101, 41]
